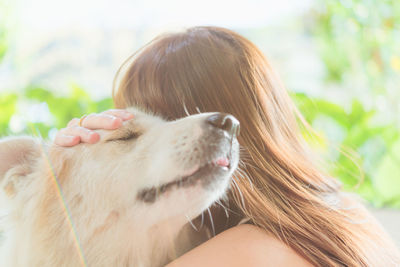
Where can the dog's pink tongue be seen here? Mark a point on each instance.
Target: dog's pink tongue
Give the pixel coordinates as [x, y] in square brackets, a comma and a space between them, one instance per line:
[223, 162]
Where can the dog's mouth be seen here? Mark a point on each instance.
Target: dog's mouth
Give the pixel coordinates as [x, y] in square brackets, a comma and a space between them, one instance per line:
[204, 173]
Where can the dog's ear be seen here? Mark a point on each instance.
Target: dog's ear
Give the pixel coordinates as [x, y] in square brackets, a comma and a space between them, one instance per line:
[17, 151]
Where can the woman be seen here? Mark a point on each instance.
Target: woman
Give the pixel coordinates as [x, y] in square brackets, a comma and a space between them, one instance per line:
[298, 216]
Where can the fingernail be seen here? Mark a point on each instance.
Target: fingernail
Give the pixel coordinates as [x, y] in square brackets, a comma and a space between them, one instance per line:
[94, 137]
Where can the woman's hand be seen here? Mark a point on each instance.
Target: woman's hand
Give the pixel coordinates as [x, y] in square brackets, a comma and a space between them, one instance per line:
[74, 133]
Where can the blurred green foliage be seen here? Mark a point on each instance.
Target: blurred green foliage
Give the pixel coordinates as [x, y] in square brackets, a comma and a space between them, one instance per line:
[3, 31]
[8, 102]
[359, 39]
[59, 110]
[363, 155]
[359, 44]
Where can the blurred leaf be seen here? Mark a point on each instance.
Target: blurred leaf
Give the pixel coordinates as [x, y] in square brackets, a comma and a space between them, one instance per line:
[65, 108]
[387, 177]
[8, 107]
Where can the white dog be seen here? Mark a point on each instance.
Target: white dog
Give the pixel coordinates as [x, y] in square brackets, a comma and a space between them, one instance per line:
[125, 201]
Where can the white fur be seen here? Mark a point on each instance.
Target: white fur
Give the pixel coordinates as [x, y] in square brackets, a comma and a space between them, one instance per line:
[99, 185]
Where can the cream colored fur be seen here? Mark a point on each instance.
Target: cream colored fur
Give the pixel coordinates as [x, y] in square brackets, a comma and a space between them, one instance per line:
[80, 205]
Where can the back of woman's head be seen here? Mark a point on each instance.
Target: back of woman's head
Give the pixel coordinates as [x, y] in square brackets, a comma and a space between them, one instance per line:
[208, 69]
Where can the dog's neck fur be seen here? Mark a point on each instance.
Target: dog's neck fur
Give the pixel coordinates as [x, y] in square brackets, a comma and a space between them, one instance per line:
[45, 236]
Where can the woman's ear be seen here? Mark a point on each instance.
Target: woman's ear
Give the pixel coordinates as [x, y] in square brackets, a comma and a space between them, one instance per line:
[17, 151]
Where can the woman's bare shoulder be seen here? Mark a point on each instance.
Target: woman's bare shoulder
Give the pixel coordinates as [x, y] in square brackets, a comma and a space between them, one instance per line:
[243, 245]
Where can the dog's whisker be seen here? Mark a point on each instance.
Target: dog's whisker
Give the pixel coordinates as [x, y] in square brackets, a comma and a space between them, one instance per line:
[225, 208]
[247, 164]
[243, 174]
[202, 220]
[191, 223]
[239, 191]
[185, 109]
[211, 220]
[198, 110]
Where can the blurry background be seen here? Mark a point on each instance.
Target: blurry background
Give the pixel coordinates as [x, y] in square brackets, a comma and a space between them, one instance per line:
[340, 60]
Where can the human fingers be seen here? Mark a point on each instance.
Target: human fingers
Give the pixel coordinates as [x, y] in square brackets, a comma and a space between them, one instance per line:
[66, 140]
[63, 139]
[78, 130]
[99, 121]
[120, 113]
[72, 135]
[109, 120]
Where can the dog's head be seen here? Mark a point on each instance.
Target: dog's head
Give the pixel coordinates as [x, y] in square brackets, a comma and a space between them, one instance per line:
[149, 170]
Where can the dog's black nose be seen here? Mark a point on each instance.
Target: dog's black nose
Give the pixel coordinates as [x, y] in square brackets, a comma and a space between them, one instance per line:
[225, 122]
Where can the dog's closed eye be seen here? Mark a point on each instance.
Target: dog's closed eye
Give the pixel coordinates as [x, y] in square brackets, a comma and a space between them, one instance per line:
[127, 136]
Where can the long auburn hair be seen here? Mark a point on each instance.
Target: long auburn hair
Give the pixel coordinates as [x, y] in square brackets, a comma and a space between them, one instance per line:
[278, 185]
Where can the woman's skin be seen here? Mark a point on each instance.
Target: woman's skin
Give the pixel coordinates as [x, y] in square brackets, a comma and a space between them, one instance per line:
[243, 245]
